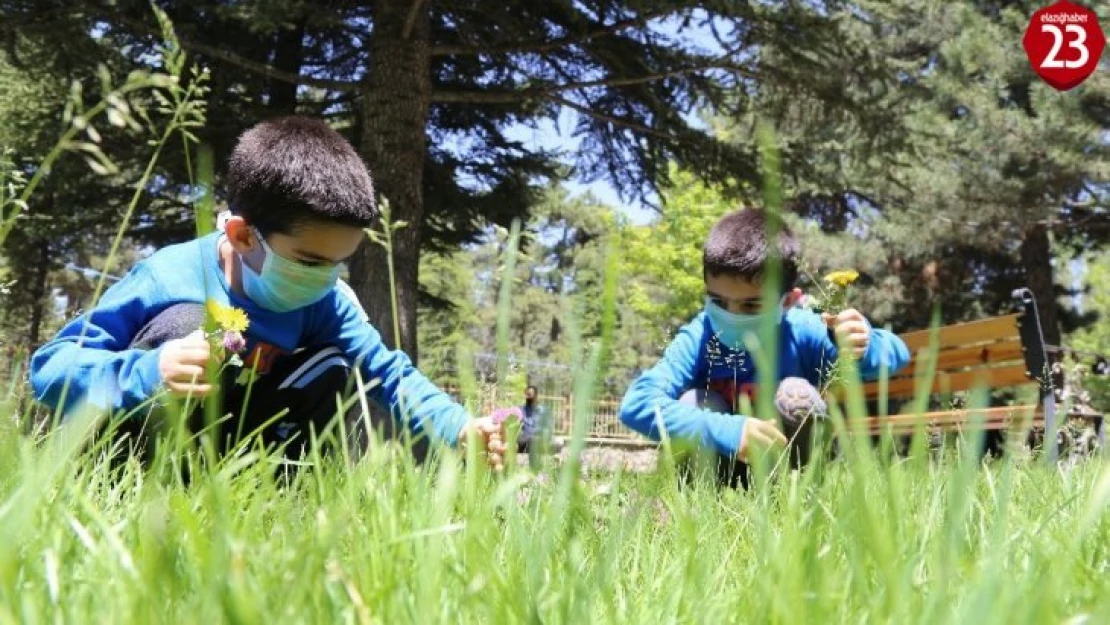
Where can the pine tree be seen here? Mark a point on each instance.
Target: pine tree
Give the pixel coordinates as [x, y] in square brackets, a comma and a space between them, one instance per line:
[970, 167]
[76, 211]
[431, 91]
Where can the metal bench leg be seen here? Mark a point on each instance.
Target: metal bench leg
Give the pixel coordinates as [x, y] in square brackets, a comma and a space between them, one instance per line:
[1100, 428]
[1050, 427]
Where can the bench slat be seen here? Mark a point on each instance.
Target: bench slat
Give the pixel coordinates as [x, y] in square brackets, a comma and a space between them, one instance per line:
[961, 426]
[990, 418]
[998, 377]
[964, 334]
[952, 360]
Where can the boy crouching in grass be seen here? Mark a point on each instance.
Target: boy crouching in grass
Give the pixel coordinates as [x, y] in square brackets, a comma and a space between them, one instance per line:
[299, 198]
[693, 392]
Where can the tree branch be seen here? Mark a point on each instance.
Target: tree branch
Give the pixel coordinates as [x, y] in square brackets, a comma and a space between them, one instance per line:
[616, 121]
[521, 47]
[264, 69]
[1076, 205]
[530, 93]
[410, 19]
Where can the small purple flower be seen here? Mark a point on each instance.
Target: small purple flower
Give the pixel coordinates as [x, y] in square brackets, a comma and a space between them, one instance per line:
[660, 512]
[522, 497]
[234, 342]
[502, 415]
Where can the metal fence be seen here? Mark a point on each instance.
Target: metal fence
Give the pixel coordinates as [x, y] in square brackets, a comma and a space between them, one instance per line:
[603, 413]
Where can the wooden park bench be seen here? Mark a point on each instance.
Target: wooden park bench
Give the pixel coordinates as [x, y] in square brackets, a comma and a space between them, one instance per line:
[997, 353]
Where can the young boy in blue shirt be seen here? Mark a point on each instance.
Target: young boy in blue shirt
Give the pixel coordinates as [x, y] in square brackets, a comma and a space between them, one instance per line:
[299, 199]
[693, 392]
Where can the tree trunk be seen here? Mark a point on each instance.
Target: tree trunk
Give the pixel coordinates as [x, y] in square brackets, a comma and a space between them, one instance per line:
[524, 330]
[38, 292]
[1036, 259]
[287, 58]
[395, 104]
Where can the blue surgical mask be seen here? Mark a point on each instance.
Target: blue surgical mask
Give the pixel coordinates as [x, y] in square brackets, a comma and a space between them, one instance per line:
[284, 285]
[731, 327]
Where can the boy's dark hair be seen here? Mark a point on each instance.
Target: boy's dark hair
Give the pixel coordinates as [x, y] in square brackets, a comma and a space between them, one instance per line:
[737, 246]
[293, 170]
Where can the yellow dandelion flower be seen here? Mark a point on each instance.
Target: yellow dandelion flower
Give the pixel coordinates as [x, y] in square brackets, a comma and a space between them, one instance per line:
[842, 278]
[229, 318]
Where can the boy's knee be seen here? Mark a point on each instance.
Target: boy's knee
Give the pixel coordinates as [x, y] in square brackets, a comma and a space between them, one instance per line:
[797, 400]
[297, 400]
[799, 404]
[175, 322]
[327, 369]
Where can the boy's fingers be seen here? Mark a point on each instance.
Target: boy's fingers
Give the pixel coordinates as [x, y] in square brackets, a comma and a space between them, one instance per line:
[759, 441]
[770, 435]
[194, 390]
[778, 436]
[852, 322]
[487, 426]
[194, 358]
[855, 339]
[193, 342]
[850, 315]
[762, 434]
[851, 330]
[494, 458]
[487, 434]
[187, 373]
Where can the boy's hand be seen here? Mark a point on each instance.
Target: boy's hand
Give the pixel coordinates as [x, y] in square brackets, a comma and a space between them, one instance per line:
[490, 435]
[182, 364]
[758, 435]
[851, 329]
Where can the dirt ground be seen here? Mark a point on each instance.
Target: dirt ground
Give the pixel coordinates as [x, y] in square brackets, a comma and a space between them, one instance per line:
[596, 459]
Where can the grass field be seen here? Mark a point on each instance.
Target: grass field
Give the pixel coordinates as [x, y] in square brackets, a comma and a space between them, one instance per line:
[383, 541]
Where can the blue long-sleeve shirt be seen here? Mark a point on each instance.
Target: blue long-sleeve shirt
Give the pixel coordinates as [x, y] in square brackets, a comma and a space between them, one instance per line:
[694, 360]
[92, 352]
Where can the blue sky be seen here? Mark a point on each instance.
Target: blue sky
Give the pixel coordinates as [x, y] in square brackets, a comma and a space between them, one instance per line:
[559, 135]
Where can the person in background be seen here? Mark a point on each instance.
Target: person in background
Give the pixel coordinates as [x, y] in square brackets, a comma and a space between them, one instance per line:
[535, 429]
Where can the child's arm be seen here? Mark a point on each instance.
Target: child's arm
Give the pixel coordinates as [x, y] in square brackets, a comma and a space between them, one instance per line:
[651, 404]
[884, 349]
[89, 360]
[397, 384]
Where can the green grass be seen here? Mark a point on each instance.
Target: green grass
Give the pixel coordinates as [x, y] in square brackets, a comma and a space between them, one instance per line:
[385, 541]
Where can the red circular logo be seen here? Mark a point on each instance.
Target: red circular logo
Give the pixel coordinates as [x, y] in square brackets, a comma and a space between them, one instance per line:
[1064, 43]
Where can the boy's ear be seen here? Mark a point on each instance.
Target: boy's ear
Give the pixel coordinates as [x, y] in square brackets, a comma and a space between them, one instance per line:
[240, 235]
[793, 298]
